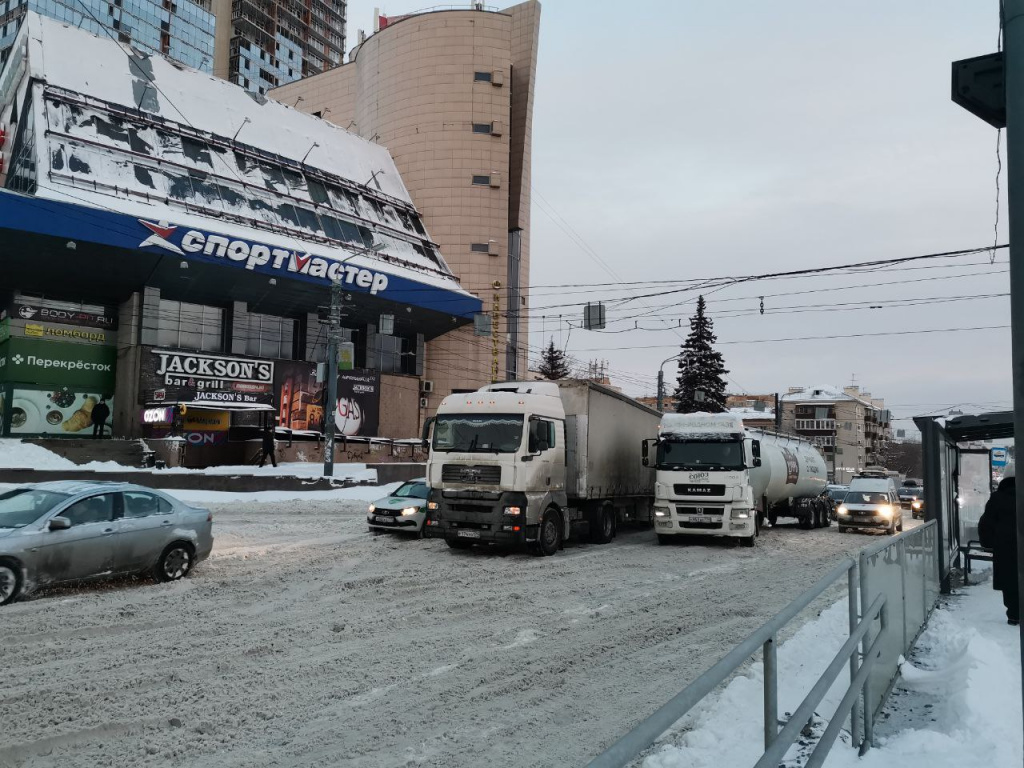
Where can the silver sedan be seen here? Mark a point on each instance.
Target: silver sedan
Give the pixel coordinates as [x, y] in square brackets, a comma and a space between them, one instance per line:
[51, 533]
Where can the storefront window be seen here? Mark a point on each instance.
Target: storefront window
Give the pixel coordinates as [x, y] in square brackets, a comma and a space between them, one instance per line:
[190, 326]
[270, 336]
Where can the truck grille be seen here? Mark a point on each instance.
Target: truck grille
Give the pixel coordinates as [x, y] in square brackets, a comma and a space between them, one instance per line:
[462, 473]
[475, 509]
[698, 490]
[687, 524]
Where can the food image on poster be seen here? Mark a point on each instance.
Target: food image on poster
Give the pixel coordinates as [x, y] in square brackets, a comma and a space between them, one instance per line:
[60, 411]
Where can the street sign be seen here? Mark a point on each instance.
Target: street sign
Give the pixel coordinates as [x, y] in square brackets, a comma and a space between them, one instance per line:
[999, 457]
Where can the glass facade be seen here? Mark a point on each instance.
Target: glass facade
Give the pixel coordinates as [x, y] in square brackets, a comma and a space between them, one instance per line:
[274, 42]
[190, 326]
[179, 29]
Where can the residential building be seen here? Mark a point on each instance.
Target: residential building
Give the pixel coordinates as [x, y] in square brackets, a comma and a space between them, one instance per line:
[262, 44]
[849, 426]
[450, 94]
[179, 254]
[181, 30]
[755, 418]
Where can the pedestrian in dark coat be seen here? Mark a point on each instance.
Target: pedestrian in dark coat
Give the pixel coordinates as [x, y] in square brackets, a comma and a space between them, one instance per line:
[997, 531]
[268, 447]
[100, 414]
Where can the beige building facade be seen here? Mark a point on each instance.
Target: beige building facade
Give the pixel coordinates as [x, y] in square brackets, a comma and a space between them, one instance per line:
[450, 94]
[849, 426]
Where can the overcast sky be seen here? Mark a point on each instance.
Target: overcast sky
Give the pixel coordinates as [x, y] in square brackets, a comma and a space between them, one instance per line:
[682, 140]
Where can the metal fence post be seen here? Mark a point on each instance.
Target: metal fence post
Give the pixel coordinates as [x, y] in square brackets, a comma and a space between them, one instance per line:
[771, 692]
[902, 549]
[851, 591]
[869, 710]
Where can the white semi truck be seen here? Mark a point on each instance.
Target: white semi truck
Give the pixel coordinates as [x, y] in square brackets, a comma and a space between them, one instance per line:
[715, 477]
[532, 463]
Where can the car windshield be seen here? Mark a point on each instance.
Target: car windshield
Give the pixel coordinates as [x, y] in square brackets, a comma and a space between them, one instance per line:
[837, 494]
[412, 490]
[910, 493]
[478, 434]
[700, 454]
[865, 497]
[23, 506]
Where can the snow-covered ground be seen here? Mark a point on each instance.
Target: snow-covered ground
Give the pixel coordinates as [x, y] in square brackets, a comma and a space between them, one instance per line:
[958, 703]
[14, 454]
[307, 641]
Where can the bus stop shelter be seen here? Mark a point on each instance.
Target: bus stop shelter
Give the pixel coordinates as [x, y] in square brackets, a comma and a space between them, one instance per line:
[958, 478]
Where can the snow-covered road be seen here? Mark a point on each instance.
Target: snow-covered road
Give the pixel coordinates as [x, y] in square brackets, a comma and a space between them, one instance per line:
[307, 641]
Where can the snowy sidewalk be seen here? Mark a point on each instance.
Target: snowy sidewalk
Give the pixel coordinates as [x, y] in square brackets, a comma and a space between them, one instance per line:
[956, 705]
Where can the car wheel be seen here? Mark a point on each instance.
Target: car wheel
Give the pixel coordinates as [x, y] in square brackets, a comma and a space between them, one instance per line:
[10, 582]
[900, 526]
[458, 543]
[175, 563]
[549, 535]
[891, 530]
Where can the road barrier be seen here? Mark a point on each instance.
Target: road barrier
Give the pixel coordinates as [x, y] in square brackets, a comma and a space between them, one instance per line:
[891, 590]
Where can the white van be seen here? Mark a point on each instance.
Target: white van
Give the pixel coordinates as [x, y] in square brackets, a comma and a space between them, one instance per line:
[871, 502]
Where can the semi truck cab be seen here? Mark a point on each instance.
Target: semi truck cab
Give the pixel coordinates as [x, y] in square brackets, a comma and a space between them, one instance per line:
[703, 484]
[497, 465]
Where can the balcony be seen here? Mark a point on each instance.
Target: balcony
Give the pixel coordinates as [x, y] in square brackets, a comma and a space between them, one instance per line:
[815, 425]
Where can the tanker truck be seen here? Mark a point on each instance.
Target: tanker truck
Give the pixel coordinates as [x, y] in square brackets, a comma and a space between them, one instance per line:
[715, 477]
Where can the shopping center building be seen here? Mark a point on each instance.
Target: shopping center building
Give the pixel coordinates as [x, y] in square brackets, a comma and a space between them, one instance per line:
[169, 239]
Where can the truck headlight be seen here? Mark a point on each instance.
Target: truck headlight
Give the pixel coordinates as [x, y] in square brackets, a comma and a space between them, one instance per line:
[513, 510]
[740, 513]
[432, 505]
[410, 511]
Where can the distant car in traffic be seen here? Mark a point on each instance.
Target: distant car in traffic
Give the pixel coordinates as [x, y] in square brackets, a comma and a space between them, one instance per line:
[404, 510]
[64, 531]
[912, 498]
[837, 493]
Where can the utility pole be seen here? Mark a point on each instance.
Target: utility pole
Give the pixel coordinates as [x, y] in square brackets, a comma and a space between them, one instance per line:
[992, 88]
[331, 398]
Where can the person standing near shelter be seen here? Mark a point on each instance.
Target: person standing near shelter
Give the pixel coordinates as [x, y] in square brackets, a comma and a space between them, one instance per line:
[268, 447]
[997, 531]
[100, 414]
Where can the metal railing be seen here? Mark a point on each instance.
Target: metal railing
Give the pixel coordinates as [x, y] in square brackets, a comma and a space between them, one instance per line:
[883, 622]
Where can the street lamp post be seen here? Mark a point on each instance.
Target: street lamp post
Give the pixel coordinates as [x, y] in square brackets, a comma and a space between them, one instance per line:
[661, 379]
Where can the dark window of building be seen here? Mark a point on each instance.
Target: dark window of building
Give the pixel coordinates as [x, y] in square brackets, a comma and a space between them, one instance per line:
[190, 326]
[482, 77]
[479, 247]
[481, 127]
[482, 181]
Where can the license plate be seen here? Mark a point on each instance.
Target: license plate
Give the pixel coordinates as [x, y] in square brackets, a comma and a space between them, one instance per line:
[382, 519]
[864, 519]
[700, 519]
[469, 534]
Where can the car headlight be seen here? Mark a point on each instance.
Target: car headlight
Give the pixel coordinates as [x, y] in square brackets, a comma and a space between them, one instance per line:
[410, 511]
[915, 504]
[513, 510]
[373, 508]
[885, 510]
[432, 505]
[842, 510]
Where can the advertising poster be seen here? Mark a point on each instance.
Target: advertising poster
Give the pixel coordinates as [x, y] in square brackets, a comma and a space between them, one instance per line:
[65, 316]
[199, 427]
[358, 408]
[79, 366]
[179, 376]
[299, 396]
[65, 411]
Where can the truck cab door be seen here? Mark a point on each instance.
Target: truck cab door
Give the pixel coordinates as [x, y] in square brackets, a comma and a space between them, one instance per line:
[546, 445]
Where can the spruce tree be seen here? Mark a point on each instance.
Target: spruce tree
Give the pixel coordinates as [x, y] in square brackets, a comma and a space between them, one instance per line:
[553, 363]
[701, 368]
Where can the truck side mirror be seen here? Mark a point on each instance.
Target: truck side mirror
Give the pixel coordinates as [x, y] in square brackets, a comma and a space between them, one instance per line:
[644, 452]
[425, 437]
[755, 452]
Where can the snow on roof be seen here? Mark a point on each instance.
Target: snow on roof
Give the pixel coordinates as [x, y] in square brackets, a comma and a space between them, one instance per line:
[751, 413]
[188, 96]
[826, 394]
[710, 423]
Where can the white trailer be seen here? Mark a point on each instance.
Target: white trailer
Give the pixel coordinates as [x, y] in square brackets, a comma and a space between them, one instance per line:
[717, 478]
[532, 463]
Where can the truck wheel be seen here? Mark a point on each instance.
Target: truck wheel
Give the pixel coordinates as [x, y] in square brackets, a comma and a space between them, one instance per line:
[663, 539]
[748, 541]
[602, 524]
[549, 535]
[826, 521]
[458, 543]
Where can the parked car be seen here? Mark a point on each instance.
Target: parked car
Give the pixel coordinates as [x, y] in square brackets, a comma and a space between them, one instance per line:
[871, 508]
[912, 498]
[837, 493]
[403, 510]
[52, 533]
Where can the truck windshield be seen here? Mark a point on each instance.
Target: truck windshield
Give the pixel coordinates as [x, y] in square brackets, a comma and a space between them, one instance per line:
[478, 434]
[702, 454]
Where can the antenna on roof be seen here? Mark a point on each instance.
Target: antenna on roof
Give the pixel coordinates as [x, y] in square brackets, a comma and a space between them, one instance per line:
[373, 179]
